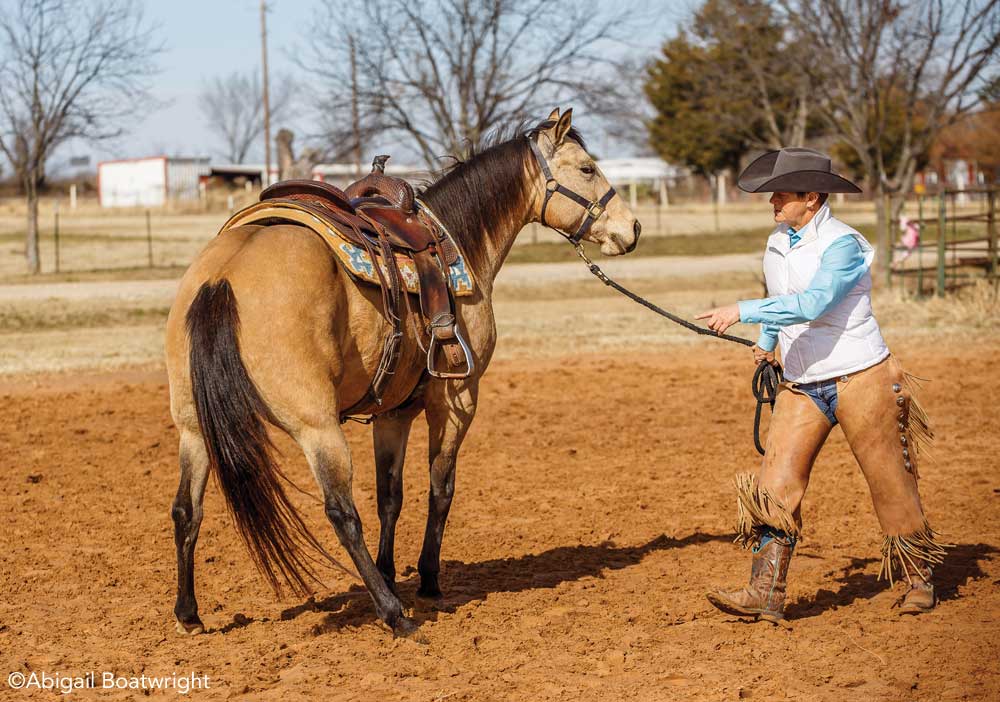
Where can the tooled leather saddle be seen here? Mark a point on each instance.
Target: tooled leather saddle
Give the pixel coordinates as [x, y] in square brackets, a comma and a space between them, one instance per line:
[379, 214]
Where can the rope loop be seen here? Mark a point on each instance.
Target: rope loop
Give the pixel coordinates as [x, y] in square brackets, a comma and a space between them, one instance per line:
[764, 385]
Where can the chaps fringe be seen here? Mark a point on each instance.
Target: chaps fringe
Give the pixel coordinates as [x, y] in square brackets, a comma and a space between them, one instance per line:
[907, 553]
[916, 422]
[757, 509]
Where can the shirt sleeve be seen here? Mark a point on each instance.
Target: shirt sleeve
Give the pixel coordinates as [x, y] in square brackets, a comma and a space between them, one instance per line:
[768, 338]
[840, 269]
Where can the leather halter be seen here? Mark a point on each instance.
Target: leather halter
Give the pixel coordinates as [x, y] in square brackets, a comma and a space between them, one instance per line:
[594, 208]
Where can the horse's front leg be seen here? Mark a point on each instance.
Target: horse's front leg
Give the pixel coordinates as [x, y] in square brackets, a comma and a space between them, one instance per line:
[450, 409]
[390, 435]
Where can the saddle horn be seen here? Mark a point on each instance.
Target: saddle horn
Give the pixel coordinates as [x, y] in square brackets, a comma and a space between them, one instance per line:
[377, 184]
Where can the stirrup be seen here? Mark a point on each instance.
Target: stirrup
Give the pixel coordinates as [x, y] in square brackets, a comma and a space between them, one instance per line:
[470, 364]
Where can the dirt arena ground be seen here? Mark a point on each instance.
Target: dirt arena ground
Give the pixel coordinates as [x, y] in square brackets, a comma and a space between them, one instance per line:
[593, 510]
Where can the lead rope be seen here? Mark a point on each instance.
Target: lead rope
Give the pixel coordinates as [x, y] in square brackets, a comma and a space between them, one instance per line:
[765, 379]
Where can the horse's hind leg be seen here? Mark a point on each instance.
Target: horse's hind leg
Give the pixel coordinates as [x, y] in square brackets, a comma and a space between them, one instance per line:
[449, 414]
[187, 513]
[391, 432]
[330, 459]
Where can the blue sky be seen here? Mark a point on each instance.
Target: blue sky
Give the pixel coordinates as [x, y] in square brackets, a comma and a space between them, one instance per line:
[215, 37]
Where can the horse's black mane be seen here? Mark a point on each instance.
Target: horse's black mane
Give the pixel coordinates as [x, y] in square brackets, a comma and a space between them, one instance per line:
[486, 187]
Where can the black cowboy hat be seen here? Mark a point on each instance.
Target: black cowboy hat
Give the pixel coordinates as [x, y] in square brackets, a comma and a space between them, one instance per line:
[793, 170]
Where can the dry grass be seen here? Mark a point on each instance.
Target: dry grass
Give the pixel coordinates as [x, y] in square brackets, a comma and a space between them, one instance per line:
[974, 307]
[77, 315]
[98, 275]
[534, 318]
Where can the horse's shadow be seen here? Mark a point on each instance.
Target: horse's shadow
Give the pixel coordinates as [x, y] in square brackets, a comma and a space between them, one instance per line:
[858, 580]
[468, 582]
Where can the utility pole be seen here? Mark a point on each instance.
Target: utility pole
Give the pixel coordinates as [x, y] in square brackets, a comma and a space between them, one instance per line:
[267, 103]
[355, 120]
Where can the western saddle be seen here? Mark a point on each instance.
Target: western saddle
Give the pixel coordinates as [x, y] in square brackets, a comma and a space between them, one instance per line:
[379, 214]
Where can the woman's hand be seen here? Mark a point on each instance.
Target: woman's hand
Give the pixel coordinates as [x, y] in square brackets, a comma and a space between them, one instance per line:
[721, 318]
[760, 354]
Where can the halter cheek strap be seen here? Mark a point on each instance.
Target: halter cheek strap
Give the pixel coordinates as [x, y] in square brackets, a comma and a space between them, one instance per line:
[594, 208]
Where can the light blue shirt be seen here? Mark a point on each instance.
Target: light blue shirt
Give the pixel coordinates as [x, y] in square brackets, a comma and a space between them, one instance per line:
[841, 268]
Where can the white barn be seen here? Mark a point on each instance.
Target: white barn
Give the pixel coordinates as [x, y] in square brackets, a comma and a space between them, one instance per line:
[149, 182]
[630, 171]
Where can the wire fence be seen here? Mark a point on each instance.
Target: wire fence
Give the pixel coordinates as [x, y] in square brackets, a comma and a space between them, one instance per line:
[90, 238]
[951, 242]
[71, 243]
[93, 239]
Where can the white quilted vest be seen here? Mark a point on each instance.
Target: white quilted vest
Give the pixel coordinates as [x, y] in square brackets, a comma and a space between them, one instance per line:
[844, 340]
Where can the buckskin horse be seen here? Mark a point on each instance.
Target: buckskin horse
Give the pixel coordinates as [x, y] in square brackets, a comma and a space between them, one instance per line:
[268, 328]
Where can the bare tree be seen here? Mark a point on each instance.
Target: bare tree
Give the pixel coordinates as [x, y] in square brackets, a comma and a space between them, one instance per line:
[67, 70]
[233, 106]
[443, 72]
[881, 67]
[623, 112]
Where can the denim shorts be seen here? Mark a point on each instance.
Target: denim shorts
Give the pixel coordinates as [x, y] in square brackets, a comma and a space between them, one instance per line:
[824, 394]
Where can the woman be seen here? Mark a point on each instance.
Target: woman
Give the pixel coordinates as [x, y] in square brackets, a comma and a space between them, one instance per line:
[838, 370]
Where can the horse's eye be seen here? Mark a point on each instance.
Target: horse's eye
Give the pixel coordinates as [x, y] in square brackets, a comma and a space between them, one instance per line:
[588, 170]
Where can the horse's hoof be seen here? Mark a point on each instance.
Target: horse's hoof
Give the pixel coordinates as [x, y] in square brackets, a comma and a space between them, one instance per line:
[429, 591]
[190, 628]
[406, 628]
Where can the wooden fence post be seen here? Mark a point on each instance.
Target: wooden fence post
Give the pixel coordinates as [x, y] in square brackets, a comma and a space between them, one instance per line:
[942, 228]
[888, 240]
[991, 232]
[149, 239]
[920, 245]
[56, 233]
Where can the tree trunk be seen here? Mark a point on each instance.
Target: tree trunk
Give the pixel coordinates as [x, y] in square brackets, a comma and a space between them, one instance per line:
[713, 184]
[31, 238]
[882, 216]
[798, 136]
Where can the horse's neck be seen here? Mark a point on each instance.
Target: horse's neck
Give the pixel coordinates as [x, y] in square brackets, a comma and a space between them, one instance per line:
[501, 238]
[500, 243]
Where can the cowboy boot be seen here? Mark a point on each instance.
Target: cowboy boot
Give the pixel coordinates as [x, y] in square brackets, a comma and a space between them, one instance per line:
[764, 596]
[920, 597]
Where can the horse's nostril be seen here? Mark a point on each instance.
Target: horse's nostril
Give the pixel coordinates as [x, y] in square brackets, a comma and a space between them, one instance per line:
[637, 228]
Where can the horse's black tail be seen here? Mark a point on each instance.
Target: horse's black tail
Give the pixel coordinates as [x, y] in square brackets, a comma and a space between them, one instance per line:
[232, 413]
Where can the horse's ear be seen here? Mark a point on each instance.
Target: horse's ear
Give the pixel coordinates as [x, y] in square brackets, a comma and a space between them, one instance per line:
[553, 116]
[563, 125]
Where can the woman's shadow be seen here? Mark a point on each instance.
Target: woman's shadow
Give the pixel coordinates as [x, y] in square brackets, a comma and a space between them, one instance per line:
[468, 582]
[859, 580]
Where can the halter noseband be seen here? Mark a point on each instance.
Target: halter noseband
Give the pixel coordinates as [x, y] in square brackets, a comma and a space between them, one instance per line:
[594, 208]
